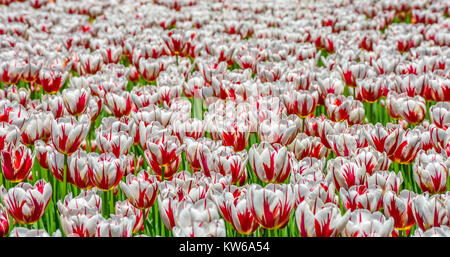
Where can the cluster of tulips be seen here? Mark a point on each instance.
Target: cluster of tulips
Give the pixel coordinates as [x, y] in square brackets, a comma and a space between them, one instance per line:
[224, 118]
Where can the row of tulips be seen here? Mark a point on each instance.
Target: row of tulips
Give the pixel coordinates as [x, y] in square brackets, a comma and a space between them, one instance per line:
[193, 118]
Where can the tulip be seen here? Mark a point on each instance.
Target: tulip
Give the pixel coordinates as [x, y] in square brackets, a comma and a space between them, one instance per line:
[440, 115]
[105, 170]
[119, 104]
[193, 128]
[110, 141]
[346, 173]
[271, 205]
[116, 226]
[429, 211]
[4, 221]
[125, 209]
[271, 164]
[371, 90]
[17, 162]
[372, 160]
[167, 206]
[55, 163]
[301, 103]
[25, 232]
[141, 190]
[55, 104]
[317, 219]
[443, 231]
[363, 223]
[27, 203]
[162, 149]
[215, 228]
[281, 131]
[431, 172]
[76, 100]
[400, 208]
[343, 144]
[388, 181]
[194, 149]
[329, 85]
[9, 134]
[150, 69]
[362, 197]
[68, 134]
[402, 146]
[86, 203]
[232, 163]
[52, 78]
[78, 170]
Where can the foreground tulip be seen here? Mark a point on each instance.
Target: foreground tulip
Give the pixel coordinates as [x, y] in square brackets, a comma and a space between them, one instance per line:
[362, 197]
[76, 100]
[402, 146]
[346, 173]
[443, 231]
[440, 115]
[68, 134]
[105, 170]
[363, 223]
[141, 190]
[167, 206]
[431, 172]
[230, 162]
[400, 208]
[17, 162]
[163, 149]
[4, 222]
[116, 226]
[429, 211]
[126, 209]
[271, 164]
[271, 205]
[86, 203]
[317, 219]
[78, 170]
[25, 232]
[388, 181]
[116, 142]
[27, 203]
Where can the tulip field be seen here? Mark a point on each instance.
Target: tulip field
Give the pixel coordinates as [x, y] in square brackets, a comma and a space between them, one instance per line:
[202, 118]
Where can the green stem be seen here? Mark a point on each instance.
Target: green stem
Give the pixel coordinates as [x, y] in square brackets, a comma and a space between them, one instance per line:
[65, 176]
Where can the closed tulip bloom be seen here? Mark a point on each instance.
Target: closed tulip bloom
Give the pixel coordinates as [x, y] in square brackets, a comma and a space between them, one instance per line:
[55, 163]
[346, 173]
[167, 206]
[301, 102]
[431, 172]
[119, 104]
[376, 135]
[388, 181]
[271, 205]
[343, 144]
[52, 79]
[141, 190]
[4, 222]
[109, 141]
[126, 209]
[80, 225]
[116, 226]
[372, 160]
[232, 163]
[105, 170]
[68, 134]
[144, 96]
[13, 113]
[371, 90]
[34, 128]
[215, 228]
[150, 69]
[16, 162]
[279, 131]
[338, 107]
[440, 115]
[363, 223]
[89, 63]
[27, 203]
[317, 219]
[25, 232]
[111, 54]
[402, 146]
[55, 104]
[188, 213]
[78, 170]
[195, 147]
[429, 211]
[86, 203]
[362, 197]
[412, 109]
[234, 134]
[301, 147]
[442, 231]
[271, 164]
[163, 149]
[193, 128]
[9, 134]
[329, 85]
[76, 100]
[400, 208]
